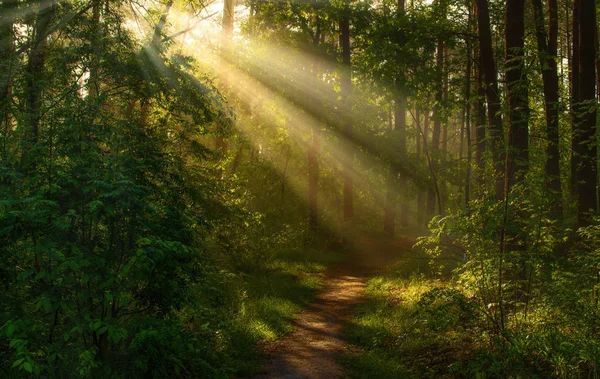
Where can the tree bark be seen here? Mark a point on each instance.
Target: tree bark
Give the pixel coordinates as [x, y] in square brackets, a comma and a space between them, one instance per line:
[517, 154]
[575, 99]
[480, 126]
[313, 161]
[547, 55]
[420, 149]
[226, 36]
[7, 60]
[346, 88]
[435, 138]
[396, 181]
[467, 114]
[585, 135]
[517, 161]
[34, 74]
[488, 66]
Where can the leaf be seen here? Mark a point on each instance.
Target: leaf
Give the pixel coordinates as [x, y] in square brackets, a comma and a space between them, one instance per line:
[17, 362]
[47, 305]
[10, 330]
[40, 275]
[28, 367]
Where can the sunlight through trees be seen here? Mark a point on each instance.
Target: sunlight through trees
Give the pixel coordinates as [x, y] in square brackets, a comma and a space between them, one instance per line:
[176, 175]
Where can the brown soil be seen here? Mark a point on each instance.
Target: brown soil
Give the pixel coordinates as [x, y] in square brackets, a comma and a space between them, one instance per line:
[313, 349]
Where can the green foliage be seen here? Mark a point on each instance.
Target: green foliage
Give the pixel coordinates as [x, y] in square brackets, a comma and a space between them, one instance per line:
[122, 252]
[444, 308]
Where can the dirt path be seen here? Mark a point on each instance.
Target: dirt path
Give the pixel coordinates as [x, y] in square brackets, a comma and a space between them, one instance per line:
[314, 348]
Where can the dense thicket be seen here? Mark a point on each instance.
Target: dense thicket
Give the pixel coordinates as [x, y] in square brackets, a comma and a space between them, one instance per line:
[112, 219]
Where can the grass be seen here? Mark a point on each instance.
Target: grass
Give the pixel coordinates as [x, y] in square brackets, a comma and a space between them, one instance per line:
[271, 298]
[404, 331]
[419, 323]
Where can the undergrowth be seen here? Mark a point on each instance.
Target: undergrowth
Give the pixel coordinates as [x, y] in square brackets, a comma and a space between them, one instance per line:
[269, 298]
[432, 321]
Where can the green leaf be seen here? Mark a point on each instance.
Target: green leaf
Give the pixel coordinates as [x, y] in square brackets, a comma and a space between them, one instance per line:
[28, 367]
[40, 275]
[17, 362]
[47, 305]
[10, 330]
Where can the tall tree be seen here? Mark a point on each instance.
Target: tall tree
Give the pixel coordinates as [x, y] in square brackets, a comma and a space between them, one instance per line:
[584, 134]
[435, 137]
[488, 66]
[313, 156]
[226, 36]
[517, 152]
[7, 61]
[575, 99]
[34, 74]
[420, 143]
[346, 84]
[547, 55]
[396, 182]
[517, 158]
[467, 112]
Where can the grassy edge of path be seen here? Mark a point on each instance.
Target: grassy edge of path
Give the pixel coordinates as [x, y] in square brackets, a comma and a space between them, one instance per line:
[410, 325]
[272, 296]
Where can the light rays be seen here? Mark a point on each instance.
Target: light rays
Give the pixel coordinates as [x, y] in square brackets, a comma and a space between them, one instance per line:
[301, 121]
[23, 12]
[281, 87]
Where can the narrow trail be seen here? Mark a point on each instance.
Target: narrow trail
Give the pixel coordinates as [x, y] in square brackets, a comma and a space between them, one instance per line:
[313, 349]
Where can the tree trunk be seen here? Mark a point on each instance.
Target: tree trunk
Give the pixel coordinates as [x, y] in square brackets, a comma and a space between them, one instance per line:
[435, 138]
[547, 55]
[480, 126]
[400, 128]
[517, 154]
[226, 36]
[313, 161]
[575, 158]
[396, 181]
[346, 84]
[34, 74]
[7, 60]
[585, 136]
[467, 114]
[517, 161]
[420, 152]
[93, 81]
[488, 66]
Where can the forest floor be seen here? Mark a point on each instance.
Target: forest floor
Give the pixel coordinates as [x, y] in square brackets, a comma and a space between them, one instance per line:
[314, 348]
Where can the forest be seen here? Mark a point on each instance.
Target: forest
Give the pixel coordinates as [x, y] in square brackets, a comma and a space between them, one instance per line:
[299, 189]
